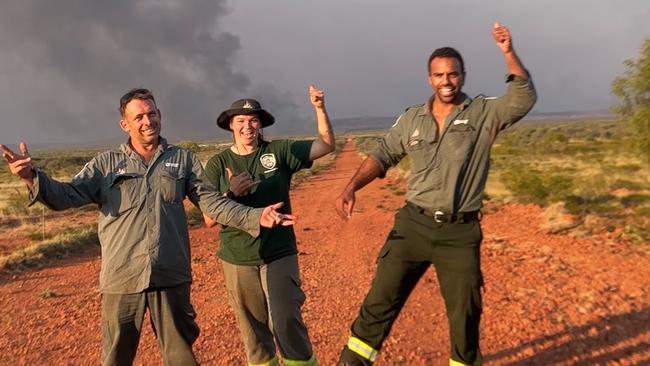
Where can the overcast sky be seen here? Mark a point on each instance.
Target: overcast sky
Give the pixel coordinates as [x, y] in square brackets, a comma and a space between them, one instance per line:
[65, 63]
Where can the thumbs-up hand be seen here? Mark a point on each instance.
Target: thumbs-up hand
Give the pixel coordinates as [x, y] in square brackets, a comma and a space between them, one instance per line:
[501, 36]
[316, 97]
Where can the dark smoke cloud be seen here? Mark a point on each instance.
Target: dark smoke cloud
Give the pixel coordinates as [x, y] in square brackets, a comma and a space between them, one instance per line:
[289, 116]
[65, 64]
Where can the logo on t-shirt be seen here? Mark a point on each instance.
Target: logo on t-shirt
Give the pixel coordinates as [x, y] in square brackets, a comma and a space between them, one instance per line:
[268, 161]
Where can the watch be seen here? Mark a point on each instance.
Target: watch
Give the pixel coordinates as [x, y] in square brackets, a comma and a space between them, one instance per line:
[230, 194]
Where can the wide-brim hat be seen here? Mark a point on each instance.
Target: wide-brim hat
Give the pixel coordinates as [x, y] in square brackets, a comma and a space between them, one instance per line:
[244, 106]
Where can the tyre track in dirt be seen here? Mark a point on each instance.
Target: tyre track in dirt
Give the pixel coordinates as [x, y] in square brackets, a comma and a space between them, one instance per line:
[549, 299]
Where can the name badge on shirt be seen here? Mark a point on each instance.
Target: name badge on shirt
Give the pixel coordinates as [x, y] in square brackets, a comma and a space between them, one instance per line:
[460, 122]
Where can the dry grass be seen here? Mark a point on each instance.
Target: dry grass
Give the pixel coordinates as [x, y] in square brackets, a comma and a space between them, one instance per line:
[13, 186]
[60, 246]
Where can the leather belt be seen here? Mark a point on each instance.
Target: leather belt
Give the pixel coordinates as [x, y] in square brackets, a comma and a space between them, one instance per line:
[443, 217]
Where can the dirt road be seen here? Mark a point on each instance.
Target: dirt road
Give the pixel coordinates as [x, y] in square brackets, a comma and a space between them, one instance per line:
[549, 299]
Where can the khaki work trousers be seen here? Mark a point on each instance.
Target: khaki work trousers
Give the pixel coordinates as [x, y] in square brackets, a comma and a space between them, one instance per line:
[172, 318]
[267, 300]
[415, 243]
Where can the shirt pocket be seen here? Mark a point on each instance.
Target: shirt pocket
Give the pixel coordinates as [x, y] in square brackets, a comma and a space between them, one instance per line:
[421, 151]
[458, 142]
[122, 192]
[172, 186]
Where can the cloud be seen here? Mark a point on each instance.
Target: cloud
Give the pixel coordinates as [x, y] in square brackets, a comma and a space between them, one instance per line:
[66, 63]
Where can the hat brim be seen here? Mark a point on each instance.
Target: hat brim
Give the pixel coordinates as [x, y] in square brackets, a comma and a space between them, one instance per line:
[223, 120]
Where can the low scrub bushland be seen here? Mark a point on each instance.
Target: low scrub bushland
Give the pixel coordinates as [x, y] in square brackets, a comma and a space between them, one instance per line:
[59, 246]
[584, 164]
[530, 186]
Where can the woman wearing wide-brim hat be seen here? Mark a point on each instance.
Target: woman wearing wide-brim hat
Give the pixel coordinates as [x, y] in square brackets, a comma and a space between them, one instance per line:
[261, 273]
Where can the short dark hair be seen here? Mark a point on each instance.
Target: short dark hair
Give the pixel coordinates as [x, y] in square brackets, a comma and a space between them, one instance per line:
[135, 93]
[447, 52]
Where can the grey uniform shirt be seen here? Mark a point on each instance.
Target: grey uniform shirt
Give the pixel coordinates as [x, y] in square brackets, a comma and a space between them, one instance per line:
[142, 225]
[449, 170]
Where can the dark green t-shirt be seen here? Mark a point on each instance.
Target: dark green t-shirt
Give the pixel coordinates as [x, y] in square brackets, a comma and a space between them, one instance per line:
[273, 164]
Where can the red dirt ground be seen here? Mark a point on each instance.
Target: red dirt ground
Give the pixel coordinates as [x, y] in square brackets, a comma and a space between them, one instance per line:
[549, 299]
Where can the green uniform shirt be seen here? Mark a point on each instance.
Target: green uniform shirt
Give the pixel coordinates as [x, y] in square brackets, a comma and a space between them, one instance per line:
[449, 170]
[273, 164]
[142, 225]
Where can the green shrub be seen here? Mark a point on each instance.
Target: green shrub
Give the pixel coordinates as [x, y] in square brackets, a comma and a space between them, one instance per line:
[603, 205]
[559, 187]
[529, 186]
[642, 212]
[526, 187]
[635, 200]
[189, 145]
[555, 137]
[626, 184]
[38, 235]
[637, 233]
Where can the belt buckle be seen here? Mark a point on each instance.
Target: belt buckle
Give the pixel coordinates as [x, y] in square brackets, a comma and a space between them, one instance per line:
[439, 217]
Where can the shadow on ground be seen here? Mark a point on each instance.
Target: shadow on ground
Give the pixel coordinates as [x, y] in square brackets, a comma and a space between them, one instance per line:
[606, 341]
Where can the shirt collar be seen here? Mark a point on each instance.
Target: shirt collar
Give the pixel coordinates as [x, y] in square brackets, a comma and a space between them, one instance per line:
[426, 108]
[126, 146]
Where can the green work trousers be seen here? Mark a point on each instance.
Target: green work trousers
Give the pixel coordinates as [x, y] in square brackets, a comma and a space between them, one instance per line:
[267, 301]
[172, 318]
[415, 243]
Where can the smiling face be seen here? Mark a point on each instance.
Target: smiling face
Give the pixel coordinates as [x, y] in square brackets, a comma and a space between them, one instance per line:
[141, 121]
[446, 79]
[246, 129]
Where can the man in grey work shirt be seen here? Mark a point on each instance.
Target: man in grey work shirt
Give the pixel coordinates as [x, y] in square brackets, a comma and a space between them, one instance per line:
[448, 140]
[143, 232]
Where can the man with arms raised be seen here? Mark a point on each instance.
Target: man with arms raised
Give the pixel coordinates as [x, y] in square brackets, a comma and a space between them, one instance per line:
[143, 232]
[448, 140]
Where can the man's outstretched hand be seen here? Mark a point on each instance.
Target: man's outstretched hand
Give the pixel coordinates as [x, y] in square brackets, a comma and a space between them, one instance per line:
[345, 204]
[271, 217]
[20, 165]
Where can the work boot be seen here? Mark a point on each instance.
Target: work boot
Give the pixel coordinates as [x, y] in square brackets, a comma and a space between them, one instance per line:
[349, 358]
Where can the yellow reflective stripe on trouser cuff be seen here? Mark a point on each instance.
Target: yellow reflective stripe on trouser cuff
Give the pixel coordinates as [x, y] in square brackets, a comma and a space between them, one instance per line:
[456, 363]
[271, 362]
[310, 362]
[362, 349]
